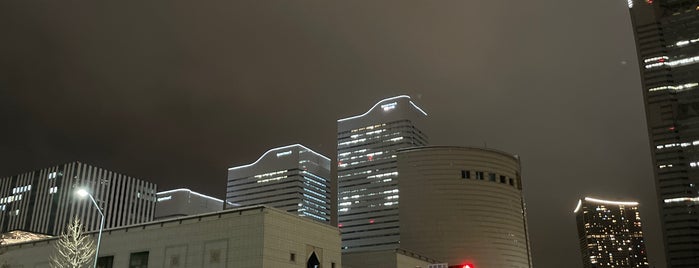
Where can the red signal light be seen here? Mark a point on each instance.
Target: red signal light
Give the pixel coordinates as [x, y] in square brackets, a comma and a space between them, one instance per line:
[468, 266]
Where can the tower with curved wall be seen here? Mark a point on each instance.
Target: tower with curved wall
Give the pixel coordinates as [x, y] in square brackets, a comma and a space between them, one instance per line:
[463, 205]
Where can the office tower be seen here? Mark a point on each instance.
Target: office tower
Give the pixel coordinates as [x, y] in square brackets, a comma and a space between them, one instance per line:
[44, 201]
[667, 41]
[184, 202]
[292, 178]
[367, 175]
[610, 234]
[463, 206]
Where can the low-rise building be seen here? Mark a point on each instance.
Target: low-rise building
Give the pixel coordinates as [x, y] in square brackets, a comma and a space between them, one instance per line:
[253, 237]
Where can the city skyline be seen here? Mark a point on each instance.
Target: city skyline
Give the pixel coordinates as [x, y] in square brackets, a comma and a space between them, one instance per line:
[558, 89]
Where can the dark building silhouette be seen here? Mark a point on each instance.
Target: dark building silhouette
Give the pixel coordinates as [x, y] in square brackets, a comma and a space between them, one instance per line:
[667, 40]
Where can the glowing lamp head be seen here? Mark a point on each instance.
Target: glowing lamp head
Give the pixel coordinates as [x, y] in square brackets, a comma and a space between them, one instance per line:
[468, 266]
[81, 193]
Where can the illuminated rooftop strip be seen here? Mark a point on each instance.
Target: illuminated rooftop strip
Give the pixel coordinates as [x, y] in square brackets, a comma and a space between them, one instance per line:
[681, 199]
[189, 191]
[623, 203]
[577, 208]
[277, 149]
[418, 108]
[388, 99]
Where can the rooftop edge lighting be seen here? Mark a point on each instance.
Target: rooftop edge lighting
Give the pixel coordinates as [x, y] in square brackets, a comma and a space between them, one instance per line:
[189, 191]
[377, 104]
[277, 149]
[577, 208]
[623, 203]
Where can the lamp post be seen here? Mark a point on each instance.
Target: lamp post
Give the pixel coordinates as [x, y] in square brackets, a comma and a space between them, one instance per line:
[83, 193]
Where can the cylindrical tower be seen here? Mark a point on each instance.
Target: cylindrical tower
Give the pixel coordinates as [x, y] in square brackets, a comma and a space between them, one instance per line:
[463, 205]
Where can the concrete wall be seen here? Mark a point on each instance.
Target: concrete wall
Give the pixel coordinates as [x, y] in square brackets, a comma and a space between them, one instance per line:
[248, 237]
[463, 205]
[385, 259]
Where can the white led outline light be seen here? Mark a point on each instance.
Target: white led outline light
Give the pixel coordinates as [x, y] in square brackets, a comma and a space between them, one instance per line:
[681, 199]
[577, 208]
[623, 203]
[191, 192]
[276, 149]
[387, 99]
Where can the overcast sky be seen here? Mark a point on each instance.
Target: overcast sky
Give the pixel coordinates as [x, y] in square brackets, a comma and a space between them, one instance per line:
[177, 91]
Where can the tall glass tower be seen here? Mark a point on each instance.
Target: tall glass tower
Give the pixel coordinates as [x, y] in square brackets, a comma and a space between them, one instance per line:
[367, 171]
[667, 40]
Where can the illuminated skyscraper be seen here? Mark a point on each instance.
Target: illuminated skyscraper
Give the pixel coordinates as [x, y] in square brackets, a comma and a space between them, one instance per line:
[292, 178]
[44, 201]
[367, 173]
[610, 234]
[667, 40]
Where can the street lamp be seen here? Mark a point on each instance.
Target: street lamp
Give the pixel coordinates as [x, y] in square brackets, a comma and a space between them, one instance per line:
[81, 192]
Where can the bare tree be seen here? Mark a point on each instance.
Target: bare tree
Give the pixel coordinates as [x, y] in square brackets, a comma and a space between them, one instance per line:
[73, 249]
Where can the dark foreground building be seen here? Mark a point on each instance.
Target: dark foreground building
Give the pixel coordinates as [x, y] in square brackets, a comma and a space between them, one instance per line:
[44, 201]
[610, 234]
[667, 40]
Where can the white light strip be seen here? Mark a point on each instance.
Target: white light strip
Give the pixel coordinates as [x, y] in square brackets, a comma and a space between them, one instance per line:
[630, 2]
[577, 208]
[191, 192]
[681, 199]
[372, 107]
[680, 62]
[676, 88]
[277, 149]
[623, 203]
[418, 108]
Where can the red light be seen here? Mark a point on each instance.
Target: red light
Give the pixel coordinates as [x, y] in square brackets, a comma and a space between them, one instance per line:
[672, 128]
[339, 225]
[468, 266]
[371, 221]
[371, 157]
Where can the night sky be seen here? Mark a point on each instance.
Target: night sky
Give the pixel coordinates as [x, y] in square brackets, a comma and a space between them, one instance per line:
[177, 91]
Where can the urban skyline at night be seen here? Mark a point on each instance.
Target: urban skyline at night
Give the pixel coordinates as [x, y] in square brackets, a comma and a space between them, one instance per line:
[181, 91]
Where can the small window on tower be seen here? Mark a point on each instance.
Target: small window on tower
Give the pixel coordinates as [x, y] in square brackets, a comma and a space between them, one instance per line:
[491, 176]
[465, 174]
[503, 179]
[479, 175]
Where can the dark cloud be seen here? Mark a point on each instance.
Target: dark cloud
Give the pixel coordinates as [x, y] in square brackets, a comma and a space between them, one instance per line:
[177, 91]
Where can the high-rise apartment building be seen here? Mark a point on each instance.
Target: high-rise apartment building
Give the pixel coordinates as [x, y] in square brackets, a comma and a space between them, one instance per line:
[667, 41]
[610, 234]
[367, 175]
[292, 178]
[44, 201]
[463, 206]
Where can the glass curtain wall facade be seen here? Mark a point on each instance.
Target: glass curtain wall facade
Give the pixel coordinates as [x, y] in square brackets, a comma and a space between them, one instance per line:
[667, 40]
[44, 201]
[610, 234]
[367, 172]
[292, 178]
